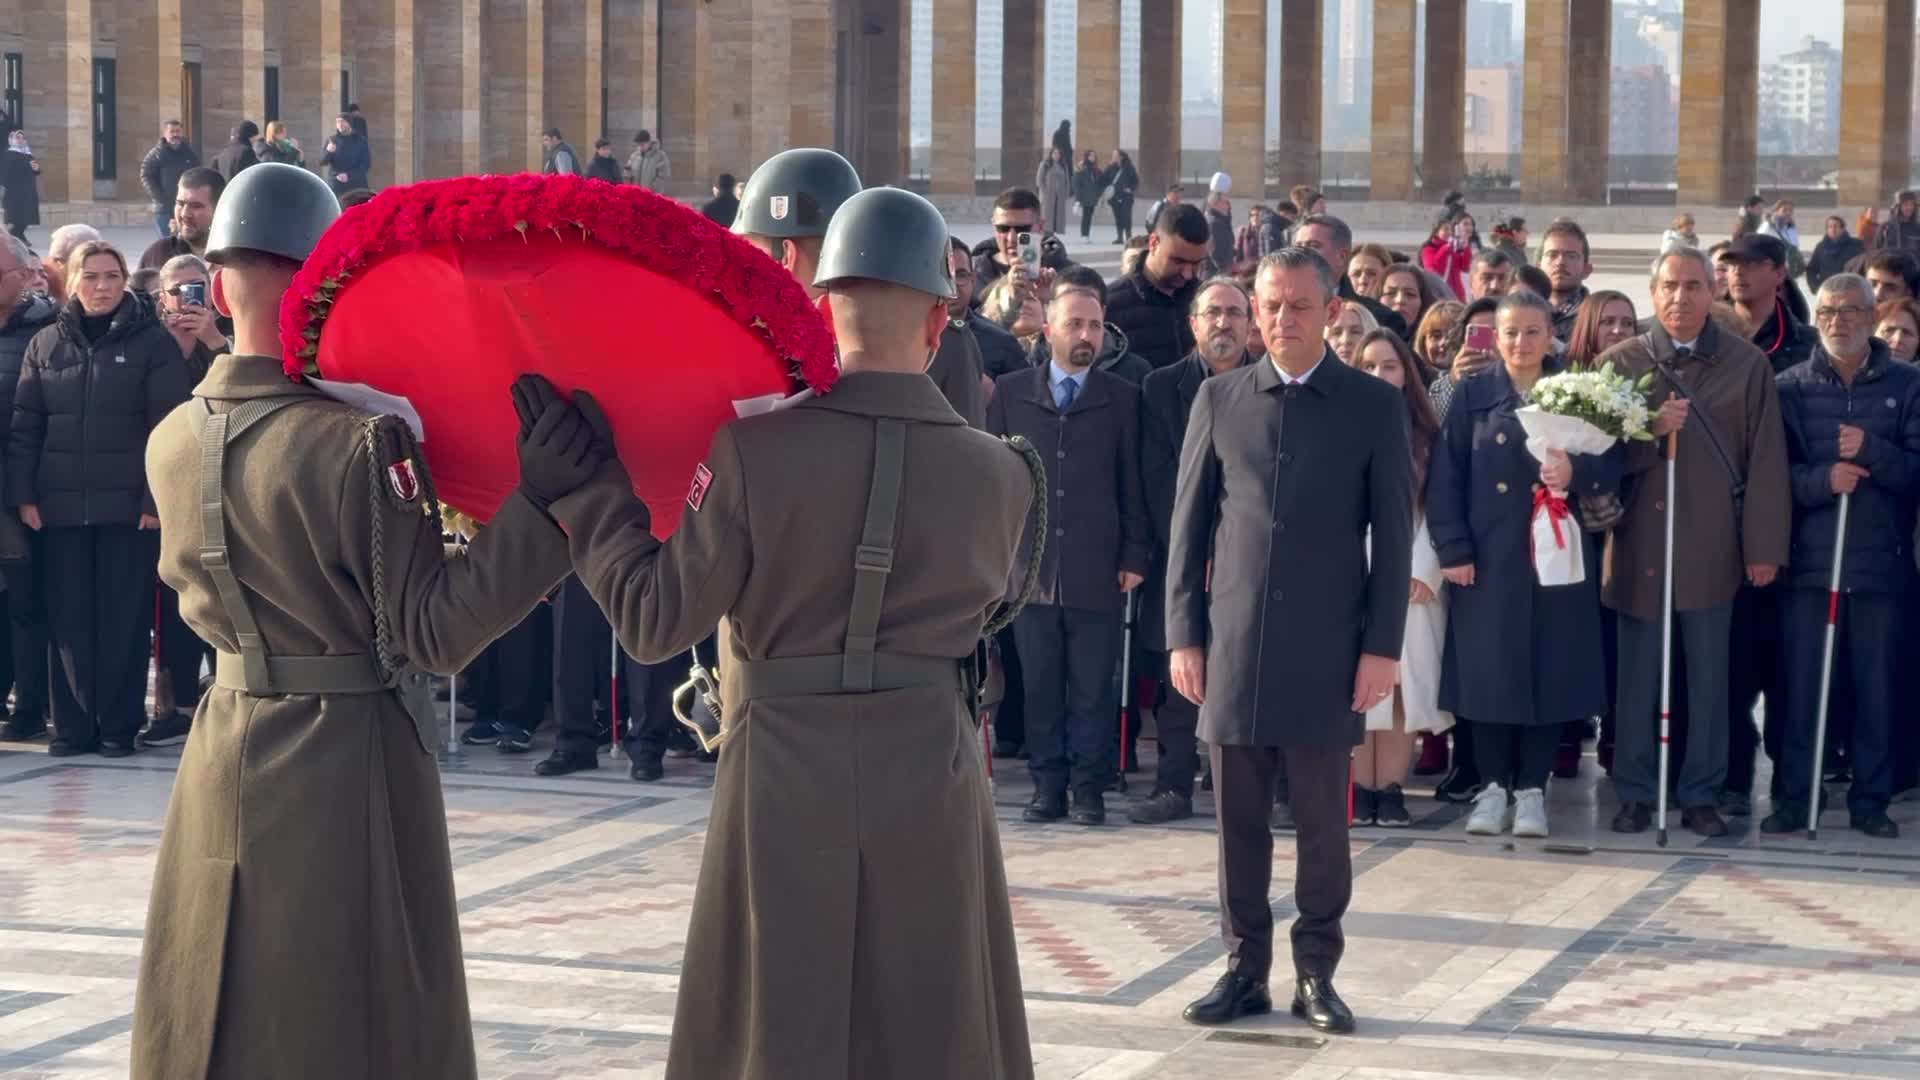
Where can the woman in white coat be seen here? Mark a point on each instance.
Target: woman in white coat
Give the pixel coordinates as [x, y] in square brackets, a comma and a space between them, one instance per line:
[1380, 764]
[1053, 182]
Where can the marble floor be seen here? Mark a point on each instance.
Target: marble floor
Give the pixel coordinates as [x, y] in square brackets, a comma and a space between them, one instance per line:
[1587, 955]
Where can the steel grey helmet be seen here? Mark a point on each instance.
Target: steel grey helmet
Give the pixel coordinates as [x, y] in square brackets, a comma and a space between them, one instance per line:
[888, 234]
[273, 208]
[795, 193]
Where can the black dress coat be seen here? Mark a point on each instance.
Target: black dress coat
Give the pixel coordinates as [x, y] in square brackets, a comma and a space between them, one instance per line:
[1516, 653]
[1278, 487]
[1166, 398]
[1096, 515]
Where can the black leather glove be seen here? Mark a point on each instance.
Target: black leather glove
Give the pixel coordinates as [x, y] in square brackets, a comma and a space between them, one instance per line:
[559, 450]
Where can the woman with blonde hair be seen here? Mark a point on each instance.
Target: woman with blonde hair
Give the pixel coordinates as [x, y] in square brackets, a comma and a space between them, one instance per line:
[275, 145]
[1344, 333]
[1430, 338]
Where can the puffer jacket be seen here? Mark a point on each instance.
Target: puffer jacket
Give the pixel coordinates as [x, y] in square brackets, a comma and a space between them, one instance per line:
[1884, 401]
[31, 315]
[82, 413]
[1156, 324]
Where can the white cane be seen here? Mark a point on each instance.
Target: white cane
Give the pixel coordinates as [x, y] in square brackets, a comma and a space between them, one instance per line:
[613, 693]
[453, 712]
[1666, 646]
[1826, 670]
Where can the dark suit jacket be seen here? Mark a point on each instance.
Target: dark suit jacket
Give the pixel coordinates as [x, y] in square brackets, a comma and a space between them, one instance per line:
[1165, 400]
[1278, 487]
[1096, 515]
[956, 371]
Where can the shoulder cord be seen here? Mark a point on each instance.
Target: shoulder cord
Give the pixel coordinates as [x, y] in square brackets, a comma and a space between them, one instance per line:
[377, 488]
[1037, 514]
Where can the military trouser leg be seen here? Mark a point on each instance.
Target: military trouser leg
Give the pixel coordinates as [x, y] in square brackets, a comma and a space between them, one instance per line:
[582, 676]
[649, 693]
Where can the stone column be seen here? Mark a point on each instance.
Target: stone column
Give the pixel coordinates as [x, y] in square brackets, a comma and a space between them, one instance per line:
[1543, 134]
[1443, 158]
[1589, 89]
[813, 72]
[1158, 161]
[1023, 132]
[232, 59]
[572, 69]
[1302, 24]
[512, 103]
[58, 100]
[1719, 107]
[1243, 116]
[632, 71]
[954, 152]
[450, 94]
[309, 72]
[1096, 120]
[684, 72]
[1876, 101]
[764, 91]
[383, 85]
[1393, 117]
[148, 71]
[731, 81]
[881, 153]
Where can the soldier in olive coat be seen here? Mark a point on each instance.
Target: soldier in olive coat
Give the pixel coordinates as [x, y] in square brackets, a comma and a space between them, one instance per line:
[851, 918]
[302, 923]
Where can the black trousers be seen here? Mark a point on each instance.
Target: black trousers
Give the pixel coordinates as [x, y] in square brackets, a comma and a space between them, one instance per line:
[1122, 219]
[103, 577]
[1515, 756]
[1758, 670]
[182, 653]
[1866, 656]
[648, 689]
[1068, 657]
[1243, 783]
[582, 668]
[511, 681]
[25, 655]
[1086, 218]
[1010, 719]
[1175, 722]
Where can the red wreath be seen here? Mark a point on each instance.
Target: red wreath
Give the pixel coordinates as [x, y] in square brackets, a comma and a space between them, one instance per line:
[443, 291]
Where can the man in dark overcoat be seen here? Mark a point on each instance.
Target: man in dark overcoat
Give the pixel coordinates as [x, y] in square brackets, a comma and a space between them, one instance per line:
[1222, 321]
[1279, 627]
[851, 918]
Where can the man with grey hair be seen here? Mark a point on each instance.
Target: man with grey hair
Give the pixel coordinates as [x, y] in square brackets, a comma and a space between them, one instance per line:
[64, 242]
[1332, 239]
[1852, 416]
[1491, 274]
[24, 312]
[1221, 319]
[1732, 513]
[1277, 625]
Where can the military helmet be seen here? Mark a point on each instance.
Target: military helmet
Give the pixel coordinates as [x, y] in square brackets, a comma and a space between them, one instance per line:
[273, 208]
[888, 234]
[795, 193]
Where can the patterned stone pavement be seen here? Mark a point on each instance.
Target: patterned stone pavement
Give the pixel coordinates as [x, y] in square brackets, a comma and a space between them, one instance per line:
[1587, 955]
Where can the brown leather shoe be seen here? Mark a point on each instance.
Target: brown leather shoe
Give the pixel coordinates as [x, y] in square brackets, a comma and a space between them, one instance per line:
[1703, 820]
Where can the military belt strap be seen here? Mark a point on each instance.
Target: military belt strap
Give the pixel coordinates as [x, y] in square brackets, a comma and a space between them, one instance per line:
[808, 676]
[873, 559]
[252, 670]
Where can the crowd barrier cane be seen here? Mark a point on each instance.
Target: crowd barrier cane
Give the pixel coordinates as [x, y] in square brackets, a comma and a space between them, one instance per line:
[1818, 789]
[1666, 644]
[1126, 682]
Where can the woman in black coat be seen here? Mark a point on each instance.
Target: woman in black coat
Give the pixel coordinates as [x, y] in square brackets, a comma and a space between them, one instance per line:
[1124, 179]
[1089, 180]
[20, 179]
[1830, 255]
[1520, 659]
[92, 386]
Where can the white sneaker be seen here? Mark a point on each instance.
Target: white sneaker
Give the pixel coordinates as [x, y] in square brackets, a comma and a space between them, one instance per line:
[1489, 817]
[1530, 812]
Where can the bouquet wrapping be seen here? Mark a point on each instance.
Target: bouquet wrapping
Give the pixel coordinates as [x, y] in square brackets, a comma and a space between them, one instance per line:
[1576, 412]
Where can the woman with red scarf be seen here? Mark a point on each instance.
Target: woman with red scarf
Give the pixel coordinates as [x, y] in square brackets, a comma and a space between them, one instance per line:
[1520, 659]
[1449, 251]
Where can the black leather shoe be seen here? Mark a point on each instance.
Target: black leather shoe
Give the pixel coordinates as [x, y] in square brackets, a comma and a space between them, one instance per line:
[1160, 808]
[22, 728]
[562, 762]
[1877, 825]
[646, 769]
[1089, 808]
[1784, 819]
[116, 747]
[1315, 1001]
[1703, 820]
[1634, 817]
[63, 748]
[1233, 997]
[1046, 806]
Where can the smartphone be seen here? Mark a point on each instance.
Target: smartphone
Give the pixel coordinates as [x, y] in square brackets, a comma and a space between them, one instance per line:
[193, 292]
[1480, 338]
[1028, 249]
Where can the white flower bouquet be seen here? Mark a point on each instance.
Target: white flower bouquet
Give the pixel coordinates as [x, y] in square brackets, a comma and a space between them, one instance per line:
[1577, 412]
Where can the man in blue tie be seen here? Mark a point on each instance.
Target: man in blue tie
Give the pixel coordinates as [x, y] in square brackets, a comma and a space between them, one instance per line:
[1085, 422]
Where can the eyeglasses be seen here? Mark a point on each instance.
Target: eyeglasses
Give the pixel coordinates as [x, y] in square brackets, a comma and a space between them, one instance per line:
[1007, 227]
[1830, 314]
[1215, 314]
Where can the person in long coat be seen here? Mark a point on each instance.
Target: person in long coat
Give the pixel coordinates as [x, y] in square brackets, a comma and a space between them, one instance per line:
[1521, 659]
[302, 922]
[1053, 182]
[851, 918]
[1281, 627]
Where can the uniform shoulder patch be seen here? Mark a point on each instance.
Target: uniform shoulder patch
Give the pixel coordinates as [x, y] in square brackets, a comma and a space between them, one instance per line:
[697, 491]
[397, 458]
[403, 480]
